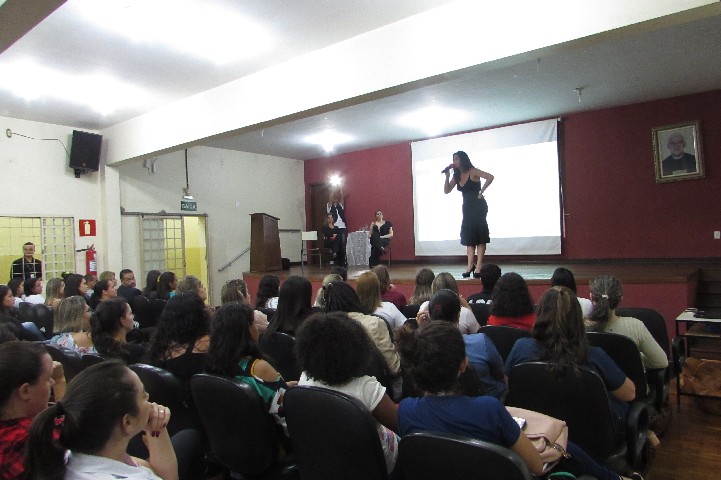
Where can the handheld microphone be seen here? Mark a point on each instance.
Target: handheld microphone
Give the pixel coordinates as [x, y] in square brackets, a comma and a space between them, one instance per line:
[447, 169]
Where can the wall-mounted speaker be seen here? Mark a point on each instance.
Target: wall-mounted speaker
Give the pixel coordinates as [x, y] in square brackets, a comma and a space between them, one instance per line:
[85, 151]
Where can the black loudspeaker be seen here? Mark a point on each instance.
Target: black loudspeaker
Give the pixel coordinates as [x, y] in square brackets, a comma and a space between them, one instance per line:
[285, 262]
[85, 151]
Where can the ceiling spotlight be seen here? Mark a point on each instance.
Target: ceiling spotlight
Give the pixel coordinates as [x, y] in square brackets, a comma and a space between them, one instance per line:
[578, 91]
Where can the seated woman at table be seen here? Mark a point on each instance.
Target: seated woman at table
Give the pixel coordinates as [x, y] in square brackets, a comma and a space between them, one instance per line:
[331, 237]
[380, 233]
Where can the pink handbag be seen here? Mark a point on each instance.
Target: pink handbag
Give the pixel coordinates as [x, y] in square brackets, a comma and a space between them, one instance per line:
[549, 435]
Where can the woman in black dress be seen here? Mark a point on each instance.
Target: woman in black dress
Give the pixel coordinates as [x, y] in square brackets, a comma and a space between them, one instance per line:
[380, 234]
[474, 228]
[331, 236]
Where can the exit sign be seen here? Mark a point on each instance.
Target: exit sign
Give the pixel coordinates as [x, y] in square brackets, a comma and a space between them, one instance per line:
[188, 205]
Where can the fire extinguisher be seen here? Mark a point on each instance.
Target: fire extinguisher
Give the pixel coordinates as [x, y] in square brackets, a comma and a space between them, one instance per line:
[91, 265]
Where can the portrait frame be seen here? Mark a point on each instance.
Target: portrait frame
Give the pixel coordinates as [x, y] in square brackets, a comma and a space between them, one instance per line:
[685, 161]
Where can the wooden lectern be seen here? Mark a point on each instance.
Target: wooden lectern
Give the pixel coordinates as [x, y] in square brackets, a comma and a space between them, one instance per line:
[264, 243]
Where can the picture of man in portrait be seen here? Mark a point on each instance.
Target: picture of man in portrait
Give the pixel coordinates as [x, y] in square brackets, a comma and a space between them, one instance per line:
[679, 162]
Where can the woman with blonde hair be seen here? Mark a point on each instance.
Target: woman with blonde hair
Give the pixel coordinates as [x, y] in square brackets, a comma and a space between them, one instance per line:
[72, 323]
[368, 289]
[330, 278]
[54, 292]
[467, 322]
[236, 290]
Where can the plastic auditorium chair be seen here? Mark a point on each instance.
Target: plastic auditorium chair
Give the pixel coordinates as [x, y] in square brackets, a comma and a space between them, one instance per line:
[240, 431]
[581, 400]
[504, 337]
[334, 436]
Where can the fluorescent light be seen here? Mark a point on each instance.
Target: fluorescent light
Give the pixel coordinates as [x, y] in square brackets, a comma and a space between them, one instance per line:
[204, 29]
[328, 139]
[434, 120]
[99, 91]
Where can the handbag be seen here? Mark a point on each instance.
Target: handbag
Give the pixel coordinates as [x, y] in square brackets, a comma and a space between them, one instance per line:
[547, 434]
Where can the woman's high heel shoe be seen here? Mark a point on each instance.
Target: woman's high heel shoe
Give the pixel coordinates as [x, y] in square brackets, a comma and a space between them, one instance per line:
[468, 273]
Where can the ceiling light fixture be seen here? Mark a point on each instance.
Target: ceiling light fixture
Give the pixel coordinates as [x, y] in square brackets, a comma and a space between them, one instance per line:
[99, 91]
[328, 139]
[578, 91]
[434, 120]
[206, 30]
[187, 203]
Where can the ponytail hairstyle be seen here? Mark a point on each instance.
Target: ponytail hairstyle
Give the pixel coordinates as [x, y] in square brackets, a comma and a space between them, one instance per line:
[230, 339]
[445, 305]
[606, 293]
[559, 328]
[234, 291]
[106, 325]
[98, 289]
[96, 400]
[340, 297]
[432, 355]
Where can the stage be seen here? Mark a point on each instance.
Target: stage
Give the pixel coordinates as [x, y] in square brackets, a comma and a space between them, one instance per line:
[667, 286]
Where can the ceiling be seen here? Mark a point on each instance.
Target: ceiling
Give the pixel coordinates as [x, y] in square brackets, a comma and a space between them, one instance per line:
[629, 67]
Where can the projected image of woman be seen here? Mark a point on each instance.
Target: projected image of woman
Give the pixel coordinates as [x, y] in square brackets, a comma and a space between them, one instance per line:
[474, 228]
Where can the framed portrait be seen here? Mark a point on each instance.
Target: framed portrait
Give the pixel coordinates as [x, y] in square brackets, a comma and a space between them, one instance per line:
[677, 152]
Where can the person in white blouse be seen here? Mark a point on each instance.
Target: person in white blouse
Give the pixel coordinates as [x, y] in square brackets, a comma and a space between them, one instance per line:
[368, 288]
[467, 322]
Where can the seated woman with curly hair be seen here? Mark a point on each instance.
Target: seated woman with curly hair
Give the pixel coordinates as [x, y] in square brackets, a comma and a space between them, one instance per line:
[340, 297]
[511, 303]
[182, 337]
[333, 351]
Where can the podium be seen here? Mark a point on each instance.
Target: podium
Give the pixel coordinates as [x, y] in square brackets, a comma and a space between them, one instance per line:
[264, 243]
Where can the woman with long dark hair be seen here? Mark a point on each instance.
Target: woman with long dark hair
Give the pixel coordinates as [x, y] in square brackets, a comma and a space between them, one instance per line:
[167, 282]
[75, 285]
[474, 228]
[294, 305]
[151, 283]
[113, 321]
[234, 352]
[559, 337]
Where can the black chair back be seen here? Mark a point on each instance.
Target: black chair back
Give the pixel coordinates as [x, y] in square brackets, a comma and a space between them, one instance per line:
[654, 322]
[580, 399]
[625, 354]
[410, 311]
[241, 433]
[481, 311]
[504, 337]
[279, 348]
[334, 436]
[378, 368]
[90, 359]
[71, 360]
[157, 305]
[41, 315]
[164, 388]
[142, 311]
[433, 456]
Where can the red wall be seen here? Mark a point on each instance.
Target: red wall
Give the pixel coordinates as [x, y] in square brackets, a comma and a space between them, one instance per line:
[615, 207]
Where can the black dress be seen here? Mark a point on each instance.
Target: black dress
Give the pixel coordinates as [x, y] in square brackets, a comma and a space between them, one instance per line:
[378, 244]
[474, 228]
